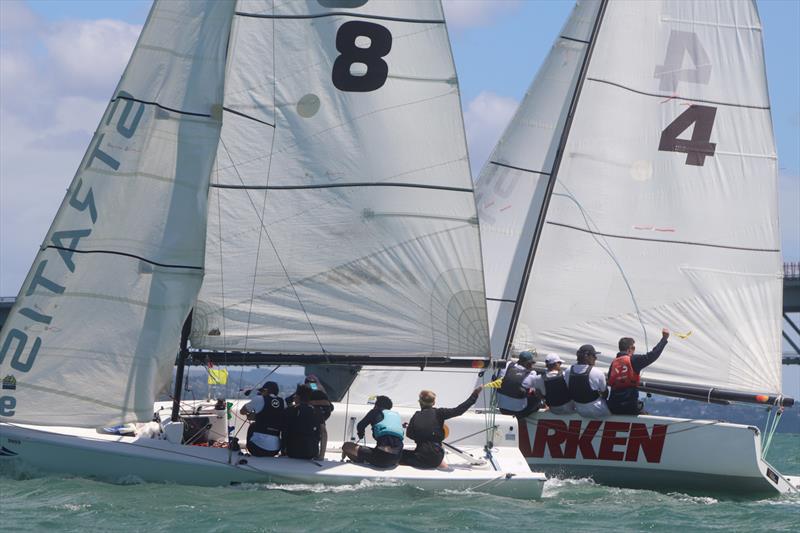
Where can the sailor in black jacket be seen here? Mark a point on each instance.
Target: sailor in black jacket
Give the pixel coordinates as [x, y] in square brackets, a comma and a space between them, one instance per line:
[426, 428]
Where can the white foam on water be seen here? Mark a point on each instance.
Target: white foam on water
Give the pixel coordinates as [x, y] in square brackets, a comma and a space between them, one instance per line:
[319, 488]
[553, 486]
[685, 498]
[75, 506]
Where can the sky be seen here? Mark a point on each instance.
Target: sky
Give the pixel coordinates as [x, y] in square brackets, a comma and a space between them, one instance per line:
[60, 61]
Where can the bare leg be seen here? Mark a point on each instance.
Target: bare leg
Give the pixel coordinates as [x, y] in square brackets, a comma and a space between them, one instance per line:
[350, 450]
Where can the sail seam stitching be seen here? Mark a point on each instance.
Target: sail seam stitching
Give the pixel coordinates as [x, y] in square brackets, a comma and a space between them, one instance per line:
[339, 14]
[124, 254]
[341, 185]
[165, 108]
[668, 241]
[229, 110]
[520, 168]
[677, 97]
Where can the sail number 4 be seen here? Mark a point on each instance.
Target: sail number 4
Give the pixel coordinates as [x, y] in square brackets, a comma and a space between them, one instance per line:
[699, 146]
[380, 44]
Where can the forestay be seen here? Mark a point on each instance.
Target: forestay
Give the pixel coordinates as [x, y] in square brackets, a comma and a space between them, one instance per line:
[664, 206]
[93, 334]
[342, 218]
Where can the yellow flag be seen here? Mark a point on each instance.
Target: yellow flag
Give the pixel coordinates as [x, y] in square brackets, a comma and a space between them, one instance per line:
[217, 376]
[494, 384]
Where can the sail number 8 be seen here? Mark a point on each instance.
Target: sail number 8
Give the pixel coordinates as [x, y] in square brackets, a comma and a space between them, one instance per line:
[698, 147]
[380, 43]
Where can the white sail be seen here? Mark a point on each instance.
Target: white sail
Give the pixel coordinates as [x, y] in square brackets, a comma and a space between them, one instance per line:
[342, 218]
[664, 208]
[95, 329]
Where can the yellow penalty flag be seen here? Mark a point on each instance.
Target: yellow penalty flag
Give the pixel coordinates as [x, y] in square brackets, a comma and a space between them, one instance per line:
[217, 376]
[494, 384]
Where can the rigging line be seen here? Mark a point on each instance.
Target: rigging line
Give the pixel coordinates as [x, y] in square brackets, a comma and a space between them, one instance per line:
[340, 185]
[124, 254]
[520, 168]
[339, 14]
[165, 108]
[667, 241]
[551, 182]
[233, 111]
[677, 97]
[605, 246]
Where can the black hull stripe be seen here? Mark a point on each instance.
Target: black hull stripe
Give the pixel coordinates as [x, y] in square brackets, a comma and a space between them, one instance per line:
[676, 97]
[239, 113]
[339, 185]
[573, 39]
[111, 252]
[666, 241]
[338, 14]
[165, 108]
[520, 168]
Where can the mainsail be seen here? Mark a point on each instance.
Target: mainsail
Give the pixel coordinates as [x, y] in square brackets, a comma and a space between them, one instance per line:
[653, 204]
[341, 213]
[92, 336]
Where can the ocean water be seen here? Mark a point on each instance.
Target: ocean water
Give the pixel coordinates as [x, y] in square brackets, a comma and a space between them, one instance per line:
[58, 503]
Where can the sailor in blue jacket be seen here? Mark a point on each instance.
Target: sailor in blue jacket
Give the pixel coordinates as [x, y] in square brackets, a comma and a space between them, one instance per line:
[387, 430]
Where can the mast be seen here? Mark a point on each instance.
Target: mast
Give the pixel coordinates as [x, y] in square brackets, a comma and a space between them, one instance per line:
[552, 180]
[181, 363]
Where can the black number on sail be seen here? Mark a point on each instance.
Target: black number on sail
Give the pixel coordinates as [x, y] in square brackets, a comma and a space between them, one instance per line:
[698, 147]
[351, 54]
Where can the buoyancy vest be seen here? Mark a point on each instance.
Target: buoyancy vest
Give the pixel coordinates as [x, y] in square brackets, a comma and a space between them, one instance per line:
[556, 391]
[622, 375]
[511, 385]
[579, 387]
[270, 420]
[390, 425]
[426, 427]
[305, 421]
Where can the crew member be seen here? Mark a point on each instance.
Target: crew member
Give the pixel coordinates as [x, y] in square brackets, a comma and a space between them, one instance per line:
[587, 385]
[426, 428]
[553, 388]
[322, 403]
[387, 430]
[624, 378]
[516, 394]
[303, 422]
[268, 414]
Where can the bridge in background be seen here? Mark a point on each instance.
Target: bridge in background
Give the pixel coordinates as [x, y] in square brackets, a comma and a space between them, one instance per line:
[791, 304]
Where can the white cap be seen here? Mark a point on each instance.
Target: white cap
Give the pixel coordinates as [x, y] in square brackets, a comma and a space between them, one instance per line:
[552, 359]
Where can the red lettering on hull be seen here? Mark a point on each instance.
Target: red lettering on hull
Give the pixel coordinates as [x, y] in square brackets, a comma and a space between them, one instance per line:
[618, 441]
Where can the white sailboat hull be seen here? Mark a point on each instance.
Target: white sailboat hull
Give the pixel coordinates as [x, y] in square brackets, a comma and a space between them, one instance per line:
[114, 458]
[652, 452]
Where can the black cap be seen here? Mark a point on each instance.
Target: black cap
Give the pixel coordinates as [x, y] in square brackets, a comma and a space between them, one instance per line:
[270, 386]
[587, 349]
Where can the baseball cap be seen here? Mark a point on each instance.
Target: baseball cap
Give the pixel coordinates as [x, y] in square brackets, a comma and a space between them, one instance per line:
[525, 357]
[552, 359]
[587, 349]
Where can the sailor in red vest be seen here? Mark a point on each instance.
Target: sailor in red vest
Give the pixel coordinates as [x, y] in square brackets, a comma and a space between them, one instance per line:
[623, 375]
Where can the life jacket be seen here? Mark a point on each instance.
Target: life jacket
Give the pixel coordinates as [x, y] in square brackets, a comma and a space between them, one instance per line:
[270, 420]
[426, 427]
[579, 387]
[622, 375]
[303, 430]
[556, 391]
[511, 385]
[390, 425]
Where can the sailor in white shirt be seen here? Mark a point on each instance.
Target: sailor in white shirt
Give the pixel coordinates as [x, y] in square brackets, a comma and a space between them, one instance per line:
[515, 394]
[553, 388]
[587, 385]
